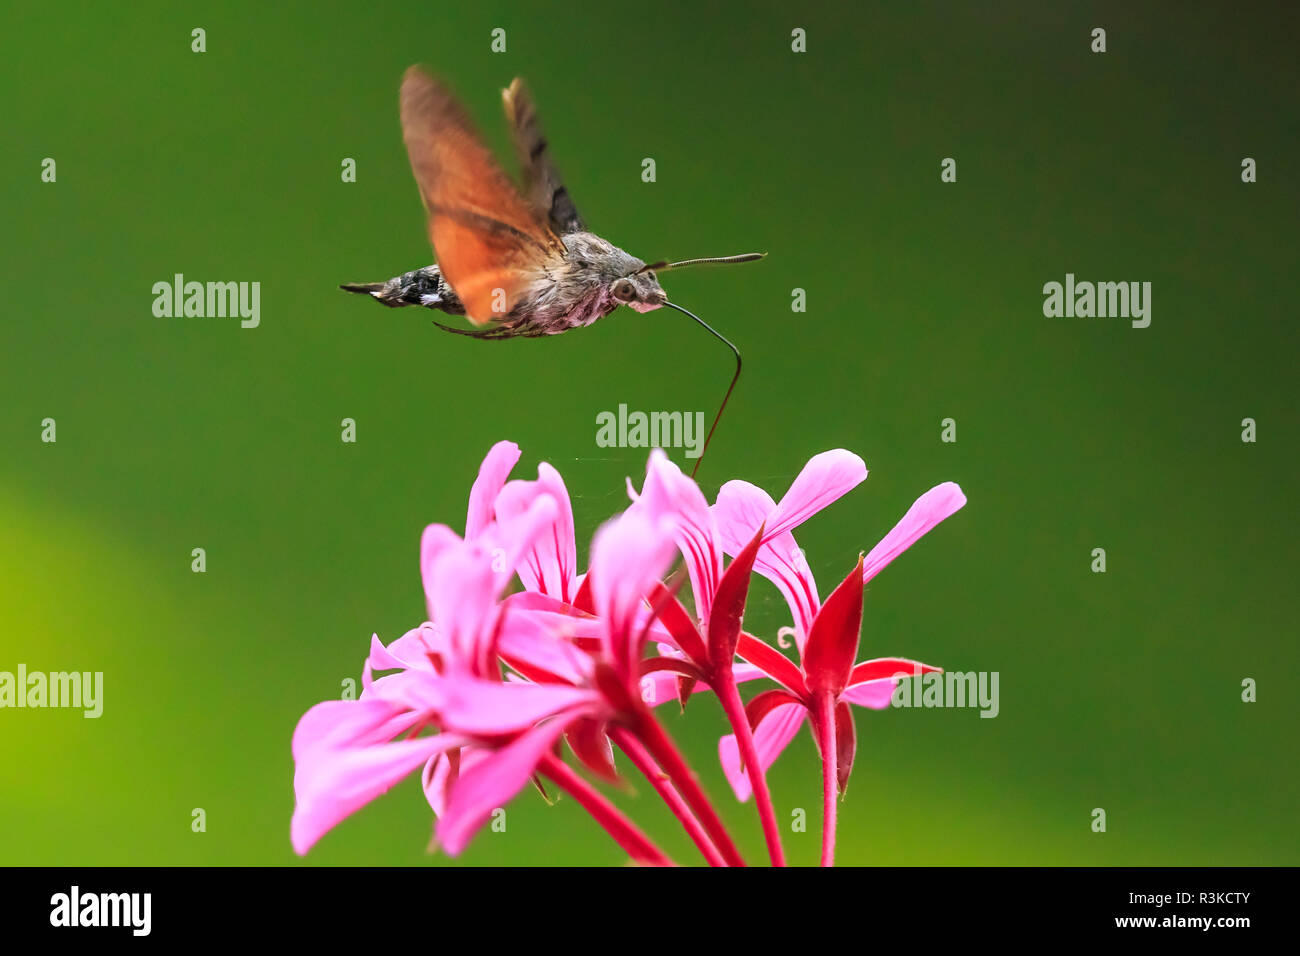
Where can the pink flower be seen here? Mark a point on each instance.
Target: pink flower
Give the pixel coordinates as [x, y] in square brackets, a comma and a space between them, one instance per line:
[524, 721]
[827, 668]
[704, 534]
[706, 654]
[547, 561]
[481, 694]
[742, 508]
[549, 566]
[347, 752]
[628, 555]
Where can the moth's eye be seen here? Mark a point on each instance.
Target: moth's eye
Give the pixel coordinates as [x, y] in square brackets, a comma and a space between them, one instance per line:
[624, 290]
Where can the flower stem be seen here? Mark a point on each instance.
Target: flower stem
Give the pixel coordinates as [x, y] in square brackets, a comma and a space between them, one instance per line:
[665, 752]
[624, 831]
[729, 696]
[824, 724]
[642, 760]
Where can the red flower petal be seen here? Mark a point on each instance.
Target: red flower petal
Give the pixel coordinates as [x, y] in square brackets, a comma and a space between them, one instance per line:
[582, 600]
[685, 668]
[846, 744]
[833, 641]
[677, 620]
[729, 605]
[766, 702]
[771, 661]
[589, 744]
[889, 667]
[685, 687]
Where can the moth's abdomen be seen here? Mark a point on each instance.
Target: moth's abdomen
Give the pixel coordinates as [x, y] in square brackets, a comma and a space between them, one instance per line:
[423, 287]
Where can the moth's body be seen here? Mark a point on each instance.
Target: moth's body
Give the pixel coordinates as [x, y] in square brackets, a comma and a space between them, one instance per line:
[516, 263]
[568, 292]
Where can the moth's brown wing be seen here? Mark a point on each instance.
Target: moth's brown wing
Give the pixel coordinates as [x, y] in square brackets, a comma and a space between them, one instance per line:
[542, 184]
[488, 240]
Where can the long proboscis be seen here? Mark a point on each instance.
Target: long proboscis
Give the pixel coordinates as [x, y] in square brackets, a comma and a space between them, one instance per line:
[711, 261]
[730, 388]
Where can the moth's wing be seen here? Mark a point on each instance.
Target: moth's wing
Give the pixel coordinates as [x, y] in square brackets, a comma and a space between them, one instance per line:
[488, 240]
[542, 184]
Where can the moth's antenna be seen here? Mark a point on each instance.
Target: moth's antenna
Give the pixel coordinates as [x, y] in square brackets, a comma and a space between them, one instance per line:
[714, 261]
[735, 378]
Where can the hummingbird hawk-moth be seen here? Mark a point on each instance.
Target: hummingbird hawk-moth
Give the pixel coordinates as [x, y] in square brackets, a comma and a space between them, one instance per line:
[514, 263]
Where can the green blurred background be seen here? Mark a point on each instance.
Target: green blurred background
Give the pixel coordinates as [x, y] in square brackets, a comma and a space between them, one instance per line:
[1119, 691]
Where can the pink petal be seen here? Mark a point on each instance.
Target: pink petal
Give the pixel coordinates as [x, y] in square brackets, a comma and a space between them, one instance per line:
[743, 671]
[740, 509]
[383, 659]
[567, 620]
[435, 541]
[462, 602]
[411, 650]
[331, 784]
[474, 706]
[783, 563]
[926, 512]
[492, 474]
[342, 723]
[824, 479]
[773, 733]
[659, 687]
[512, 537]
[467, 578]
[671, 495]
[875, 694]
[536, 601]
[629, 554]
[576, 626]
[434, 779]
[540, 641]
[550, 565]
[492, 782]
[437, 778]
[412, 689]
